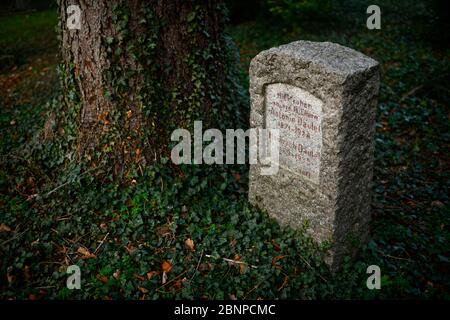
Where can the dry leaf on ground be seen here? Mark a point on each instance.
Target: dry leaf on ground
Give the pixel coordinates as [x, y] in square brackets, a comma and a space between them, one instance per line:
[166, 266]
[189, 243]
[4, 228]
[85, 253]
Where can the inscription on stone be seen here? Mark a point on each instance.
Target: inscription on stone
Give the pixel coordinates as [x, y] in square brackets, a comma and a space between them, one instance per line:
[298, 115]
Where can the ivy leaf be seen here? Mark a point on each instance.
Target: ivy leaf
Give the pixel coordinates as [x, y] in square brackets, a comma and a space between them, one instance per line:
[109, 40]
[191, 16]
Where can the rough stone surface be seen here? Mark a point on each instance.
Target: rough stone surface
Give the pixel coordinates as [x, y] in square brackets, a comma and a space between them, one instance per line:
[323, 97]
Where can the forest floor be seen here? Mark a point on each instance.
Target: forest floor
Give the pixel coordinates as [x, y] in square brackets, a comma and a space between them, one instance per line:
[196, 236]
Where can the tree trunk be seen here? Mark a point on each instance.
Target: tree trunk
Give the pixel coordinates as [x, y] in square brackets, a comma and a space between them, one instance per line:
[138, 69]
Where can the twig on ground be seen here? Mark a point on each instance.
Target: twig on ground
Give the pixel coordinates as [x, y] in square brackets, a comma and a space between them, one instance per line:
[233, 261]
[16, 236]
[394, 257]
[176, 278]
[66, 183]
[198, 264]
[101, 243]
[307, 263]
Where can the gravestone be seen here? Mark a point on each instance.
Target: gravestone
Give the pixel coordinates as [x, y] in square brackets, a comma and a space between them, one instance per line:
[322, 97]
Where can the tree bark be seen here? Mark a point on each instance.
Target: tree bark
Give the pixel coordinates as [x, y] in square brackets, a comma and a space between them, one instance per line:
[138, 69]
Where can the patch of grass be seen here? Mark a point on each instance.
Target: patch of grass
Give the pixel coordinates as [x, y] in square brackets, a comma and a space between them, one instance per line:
[25, 35]
[28, 54]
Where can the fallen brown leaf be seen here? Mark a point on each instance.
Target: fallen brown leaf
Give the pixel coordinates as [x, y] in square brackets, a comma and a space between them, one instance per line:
[130, 248]
[166, 266]
[163, 231]
[276, 246]
[102, 278]
[151, 274]
[204, 267]
[103, 117]
[116, 275]
[189, 243]
[32, 297]
[85, 253]
[31, 182]
[276, 259]
[9, 276]
[242, 266]
[4, 228]
[27, 273]
[140, 278]
[437, 203]
[143, 290]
